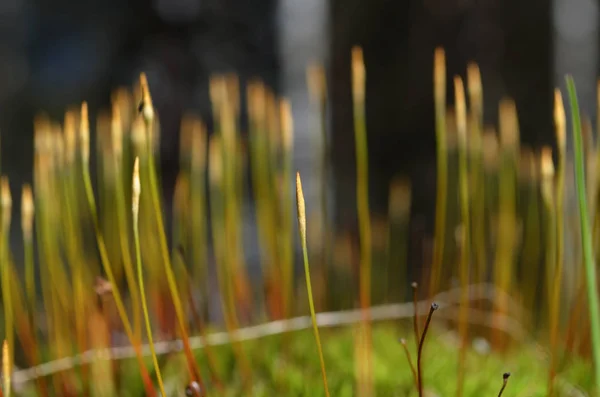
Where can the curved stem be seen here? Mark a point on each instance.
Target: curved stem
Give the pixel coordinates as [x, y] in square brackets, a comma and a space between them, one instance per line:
[138, 259]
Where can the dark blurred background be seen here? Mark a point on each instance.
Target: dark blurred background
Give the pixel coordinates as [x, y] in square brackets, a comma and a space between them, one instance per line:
[57, 53]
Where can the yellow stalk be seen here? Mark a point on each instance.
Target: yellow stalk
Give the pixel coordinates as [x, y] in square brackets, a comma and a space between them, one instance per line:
[507, 223]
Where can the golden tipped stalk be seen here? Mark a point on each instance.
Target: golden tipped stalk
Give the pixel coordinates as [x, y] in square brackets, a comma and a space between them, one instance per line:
[301, 208]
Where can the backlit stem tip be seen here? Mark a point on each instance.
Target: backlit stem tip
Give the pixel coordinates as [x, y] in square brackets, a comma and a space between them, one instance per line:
[287, 124]
[5, 203]
[84, 133]
[301, 207]
[6, 368]
[136, 189]
[27, 211]
[358, 75]
[146, 107]
[560, 121]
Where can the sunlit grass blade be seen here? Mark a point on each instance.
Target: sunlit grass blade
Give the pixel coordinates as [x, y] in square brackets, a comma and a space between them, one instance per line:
[586, 235]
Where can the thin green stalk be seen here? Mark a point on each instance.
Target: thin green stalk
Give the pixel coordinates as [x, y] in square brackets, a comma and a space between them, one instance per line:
[588, 254]
[507, 222]
[362, 203]
[465, 244]
[232, 165]
[125, 251]
[72, 248]
[439, 78]
[117, 157]
[217, 213]
[198, 211]
[548, 189]
[532, 245]
[302, 229]
[264, 202]
[410, 362]
[477, 173]
[138, 259]
[362, 176]
[317, 86]
[397, 244]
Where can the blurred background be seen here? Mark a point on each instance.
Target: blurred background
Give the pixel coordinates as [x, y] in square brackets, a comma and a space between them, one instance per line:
[54, 54]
